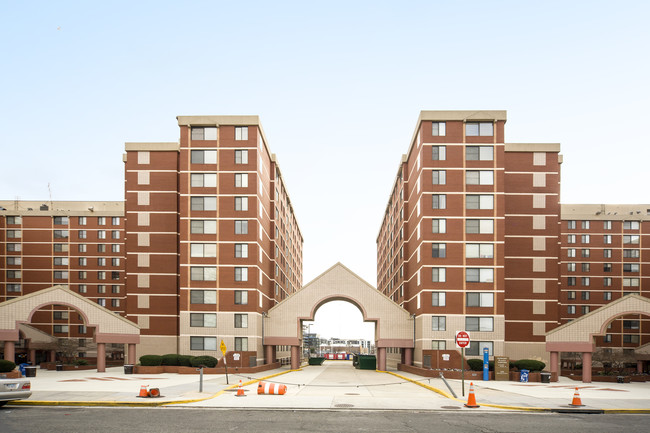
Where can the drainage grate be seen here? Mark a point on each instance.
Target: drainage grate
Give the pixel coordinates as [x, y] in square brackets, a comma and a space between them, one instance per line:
[343, 405]
[450, 407]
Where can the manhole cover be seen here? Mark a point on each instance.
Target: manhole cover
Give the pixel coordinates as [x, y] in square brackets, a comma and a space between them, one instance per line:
[351, 393]
[343, 405]
[450, 407]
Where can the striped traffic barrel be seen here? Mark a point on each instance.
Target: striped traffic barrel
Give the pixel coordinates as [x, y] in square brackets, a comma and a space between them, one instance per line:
[271, 388]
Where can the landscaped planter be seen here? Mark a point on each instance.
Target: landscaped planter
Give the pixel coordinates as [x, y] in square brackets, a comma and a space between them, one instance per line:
[610, 379]
[158, 369]
[14, 374]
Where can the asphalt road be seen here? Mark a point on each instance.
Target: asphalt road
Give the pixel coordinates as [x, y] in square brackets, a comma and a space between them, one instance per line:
[117, 420]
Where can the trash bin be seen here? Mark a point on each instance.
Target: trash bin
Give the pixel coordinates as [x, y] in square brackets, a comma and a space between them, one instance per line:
[523, 376]
[30, 371]
[59, 367]
[367, 362]
[128, 368]
[546, 377]
[21, 367]
[620, 379]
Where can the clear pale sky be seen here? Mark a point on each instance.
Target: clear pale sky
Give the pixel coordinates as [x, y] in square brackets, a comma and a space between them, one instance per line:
[338, 87]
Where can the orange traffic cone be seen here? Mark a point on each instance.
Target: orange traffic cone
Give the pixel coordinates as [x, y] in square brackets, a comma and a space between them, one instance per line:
[240, 390]
[143, 391]
[471, 399]
[576, 399]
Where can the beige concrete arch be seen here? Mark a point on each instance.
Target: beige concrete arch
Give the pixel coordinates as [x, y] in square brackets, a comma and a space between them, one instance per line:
[578, 335]
[109, 327]
[393, 324]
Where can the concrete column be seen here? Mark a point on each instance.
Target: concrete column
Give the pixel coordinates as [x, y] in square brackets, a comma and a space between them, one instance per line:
[408, 356]
[269, 354]
[586, 367]
[554, 362]
[52, 357]
[32, 356]
[639, 366]
[381, 358]
[131, 355]
[101, 357]
[10, 351]
[295, 357]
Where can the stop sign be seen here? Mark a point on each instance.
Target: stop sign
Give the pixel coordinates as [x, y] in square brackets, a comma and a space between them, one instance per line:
[462, 339]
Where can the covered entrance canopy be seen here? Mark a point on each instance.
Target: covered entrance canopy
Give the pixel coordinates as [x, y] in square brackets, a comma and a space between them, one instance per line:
[109, 327]
[393, 324]
[578, 335]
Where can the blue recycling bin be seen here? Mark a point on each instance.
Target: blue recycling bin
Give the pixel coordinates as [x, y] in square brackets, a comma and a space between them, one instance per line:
[21, 367]
[523, 376]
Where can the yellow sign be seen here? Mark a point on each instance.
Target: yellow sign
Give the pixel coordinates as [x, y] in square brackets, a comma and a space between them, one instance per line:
[223, 347]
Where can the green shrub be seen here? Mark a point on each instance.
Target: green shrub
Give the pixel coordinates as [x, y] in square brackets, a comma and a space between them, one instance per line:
[208, 361]
[6, 366]
[475, 364]
[185, 360]
[170, 359]
[529, 364]
[150, 360]
[80, 362]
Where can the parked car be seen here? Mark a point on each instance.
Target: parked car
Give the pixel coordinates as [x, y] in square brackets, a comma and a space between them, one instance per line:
[14, 389]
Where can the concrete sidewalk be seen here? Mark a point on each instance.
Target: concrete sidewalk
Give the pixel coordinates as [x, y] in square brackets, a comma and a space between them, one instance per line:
[334, 385]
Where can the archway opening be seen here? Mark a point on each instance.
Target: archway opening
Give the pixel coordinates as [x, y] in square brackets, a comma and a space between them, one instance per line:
[338, 330]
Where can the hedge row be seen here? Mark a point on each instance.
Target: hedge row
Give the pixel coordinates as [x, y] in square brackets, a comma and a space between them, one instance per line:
[522, 364]
[174, 359]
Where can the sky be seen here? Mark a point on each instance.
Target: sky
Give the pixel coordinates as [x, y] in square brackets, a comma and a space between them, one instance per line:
[338, 87]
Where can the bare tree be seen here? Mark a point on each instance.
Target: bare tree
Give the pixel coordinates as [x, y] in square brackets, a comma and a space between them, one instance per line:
[68, 348]
[612, 360]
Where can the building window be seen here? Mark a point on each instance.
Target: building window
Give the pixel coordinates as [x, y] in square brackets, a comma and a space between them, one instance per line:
[607, 282]
[479, 177]
[199, 180]
[571, 294]
[115, 288]
[14, 220]
[475, 348]
[241, 344]
[571, 267]
[83, 275]
[585, 281]
[438, 153]
[241, 133]
[241, 297]
[479, 153]
[58, 248]
[101, 221]
[438, 177]
[241, 203]
[101, 234]
[438, 299]
[61, 221]
[630, 339]
[631, 253]
[241, 227]
[607, 253]
[438, 129]
[607, 225]
[481, 324]
[241, 274]
[479, 299]
[203, 227]
[631, 324]
[115, 303]
[571, 239]
[101, 302]
[479, 275]
[607, 267]
[438, 323]
[203, 273]
[571, 309]
[115, 248]
[585, 225]
[203, 343]
[13, 234]
[438, 275]
[630, 225]
[439, 226]
[61, 329]
[204, 133]
[475, 129]
[203, 250]
[204, 156]
[61, 261]
[479, 226]
[204, 203]
[14, 261]
[439, 201]
[571, 224]
[630, 239]
[584, 253]
[60, 234]
[585, 239]
[203, 320]
[58, 275]
[241, 320]
[101, 288]
[115, 221]
[630, 267]
[585, 309]
[203, 296]
[479, 201]
[607, 239]
[241, 250]
[438, 345]
[14, 288]
[439, 250]
[630, 282]
[241, 180]
[571, 281]
[479, 251]
[607, 296]
[584, 296]
[586, 267]
[241, 156]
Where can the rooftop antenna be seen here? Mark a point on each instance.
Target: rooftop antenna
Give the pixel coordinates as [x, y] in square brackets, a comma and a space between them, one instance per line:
[49, 189]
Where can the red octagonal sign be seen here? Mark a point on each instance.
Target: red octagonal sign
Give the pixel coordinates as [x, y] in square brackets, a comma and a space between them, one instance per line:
[462, 339]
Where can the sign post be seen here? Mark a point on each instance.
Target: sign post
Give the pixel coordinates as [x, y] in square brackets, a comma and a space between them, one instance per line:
[486, 364]
[462, 341]
[225, 365]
